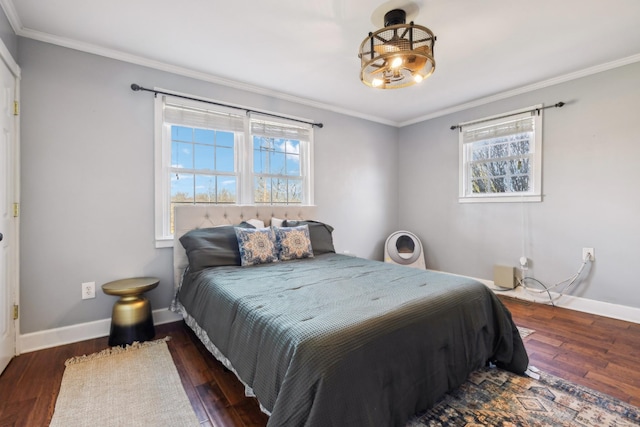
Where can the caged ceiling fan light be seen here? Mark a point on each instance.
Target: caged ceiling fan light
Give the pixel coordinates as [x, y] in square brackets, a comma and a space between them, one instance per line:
[398, 55]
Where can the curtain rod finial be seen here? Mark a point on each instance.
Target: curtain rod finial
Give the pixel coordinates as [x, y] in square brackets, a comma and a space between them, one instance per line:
[135, 87]
[320, 125]
[559, 104]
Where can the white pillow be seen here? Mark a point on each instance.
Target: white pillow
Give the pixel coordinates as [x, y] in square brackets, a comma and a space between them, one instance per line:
[256, 223]
[276, 222]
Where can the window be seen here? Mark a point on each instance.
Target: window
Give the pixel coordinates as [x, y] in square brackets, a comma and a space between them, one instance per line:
[501, 158]
[214, 155]
[279, 164]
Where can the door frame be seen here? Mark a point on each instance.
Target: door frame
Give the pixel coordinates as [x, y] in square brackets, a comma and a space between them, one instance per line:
[14, 259]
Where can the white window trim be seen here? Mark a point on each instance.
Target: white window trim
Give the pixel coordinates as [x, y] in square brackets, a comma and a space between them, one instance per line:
[306, 160]
[161, 178]
[535, 195]
[244, 164]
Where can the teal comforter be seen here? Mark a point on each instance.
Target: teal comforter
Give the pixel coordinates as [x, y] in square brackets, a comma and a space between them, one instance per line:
[343, 341]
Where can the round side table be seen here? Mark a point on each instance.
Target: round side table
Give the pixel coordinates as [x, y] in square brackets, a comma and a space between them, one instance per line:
[131, 318]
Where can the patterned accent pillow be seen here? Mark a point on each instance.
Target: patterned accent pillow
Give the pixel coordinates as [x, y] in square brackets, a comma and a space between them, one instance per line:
[319, 233]
[294, 242]
[257, 246]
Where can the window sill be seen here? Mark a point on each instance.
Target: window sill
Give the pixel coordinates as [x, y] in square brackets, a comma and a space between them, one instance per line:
[164, 243]
[500, 199]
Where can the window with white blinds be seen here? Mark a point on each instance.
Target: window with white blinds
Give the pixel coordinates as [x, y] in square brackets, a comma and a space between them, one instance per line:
[501, 158]
[214, 155]
[281, 162]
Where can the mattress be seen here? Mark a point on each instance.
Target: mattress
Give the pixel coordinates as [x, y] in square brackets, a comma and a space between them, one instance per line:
[343, 341]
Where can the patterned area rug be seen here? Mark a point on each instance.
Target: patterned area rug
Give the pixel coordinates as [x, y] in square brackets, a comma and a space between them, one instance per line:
[525, 332]
[494, 397]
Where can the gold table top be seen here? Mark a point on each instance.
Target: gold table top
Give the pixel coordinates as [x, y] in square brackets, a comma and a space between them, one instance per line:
[132, 286]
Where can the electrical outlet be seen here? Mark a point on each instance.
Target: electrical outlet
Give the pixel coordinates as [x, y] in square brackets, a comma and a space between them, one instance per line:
[88, 290]
[524, 263]
[588, 254]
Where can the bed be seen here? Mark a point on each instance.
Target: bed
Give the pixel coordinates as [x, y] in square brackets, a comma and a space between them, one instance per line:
[335, 340]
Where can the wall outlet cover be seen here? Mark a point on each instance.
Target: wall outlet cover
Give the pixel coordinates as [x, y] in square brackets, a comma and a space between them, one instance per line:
[88, 290]
[586, 252]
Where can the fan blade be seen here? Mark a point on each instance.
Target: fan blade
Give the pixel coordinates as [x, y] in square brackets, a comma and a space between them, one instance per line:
[416, 63]
[379, 70]
[385, 48]
[391, 46]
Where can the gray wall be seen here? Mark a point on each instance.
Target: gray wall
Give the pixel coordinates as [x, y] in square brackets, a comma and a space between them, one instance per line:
[88, 181]
[87, 184]
[590, 187]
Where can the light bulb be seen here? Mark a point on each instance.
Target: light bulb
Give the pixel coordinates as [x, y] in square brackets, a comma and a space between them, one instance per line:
[397, 61]
[376, 82]
[417, 78]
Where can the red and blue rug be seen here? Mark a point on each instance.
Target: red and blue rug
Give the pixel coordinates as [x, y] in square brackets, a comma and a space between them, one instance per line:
[494, 397]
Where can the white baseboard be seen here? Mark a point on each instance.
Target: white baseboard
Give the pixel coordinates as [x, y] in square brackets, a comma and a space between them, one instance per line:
[600, 308]
[80, 332]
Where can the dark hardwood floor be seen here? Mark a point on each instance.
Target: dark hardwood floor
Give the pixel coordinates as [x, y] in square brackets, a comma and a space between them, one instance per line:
[597, 352]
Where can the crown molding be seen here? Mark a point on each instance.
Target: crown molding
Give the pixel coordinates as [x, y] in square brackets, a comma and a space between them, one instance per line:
[186, 72]
[16, 24]
[525, 89]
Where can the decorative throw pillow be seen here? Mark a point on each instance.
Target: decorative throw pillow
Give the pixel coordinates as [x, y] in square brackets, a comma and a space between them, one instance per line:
[257, 246]
[320, 234]
[294, 242]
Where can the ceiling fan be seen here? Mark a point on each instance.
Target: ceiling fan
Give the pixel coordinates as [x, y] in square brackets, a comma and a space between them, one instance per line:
[397, 55]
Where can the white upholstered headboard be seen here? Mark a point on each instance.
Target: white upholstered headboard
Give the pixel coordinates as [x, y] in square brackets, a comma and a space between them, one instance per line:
[190, 217]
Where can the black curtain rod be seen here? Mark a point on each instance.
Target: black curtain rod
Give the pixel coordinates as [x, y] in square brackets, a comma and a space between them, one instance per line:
[537, 110]
[136, 88]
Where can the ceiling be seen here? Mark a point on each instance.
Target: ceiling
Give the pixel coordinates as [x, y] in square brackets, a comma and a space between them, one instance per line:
[306, 51]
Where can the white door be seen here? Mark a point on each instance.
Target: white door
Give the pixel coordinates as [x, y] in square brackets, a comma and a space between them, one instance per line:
[8, 226]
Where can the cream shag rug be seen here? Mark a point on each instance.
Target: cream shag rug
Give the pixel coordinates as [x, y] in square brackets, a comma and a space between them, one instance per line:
[134, 386]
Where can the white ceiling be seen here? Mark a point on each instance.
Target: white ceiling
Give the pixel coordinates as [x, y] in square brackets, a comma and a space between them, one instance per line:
[307, 50]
